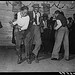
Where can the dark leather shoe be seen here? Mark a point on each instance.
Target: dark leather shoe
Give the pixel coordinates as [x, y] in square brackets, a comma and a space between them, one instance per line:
[29, 61]
[67, 59]
[19, 60]
[36, 60]
[54, 59]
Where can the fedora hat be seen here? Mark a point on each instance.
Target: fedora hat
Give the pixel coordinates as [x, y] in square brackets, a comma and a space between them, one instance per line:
[36, 6]
[45, 5]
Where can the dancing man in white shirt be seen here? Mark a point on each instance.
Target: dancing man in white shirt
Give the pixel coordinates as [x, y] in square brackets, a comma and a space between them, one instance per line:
[21, 32]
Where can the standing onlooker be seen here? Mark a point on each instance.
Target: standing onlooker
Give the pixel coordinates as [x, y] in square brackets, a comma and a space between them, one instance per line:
[61, 35]
[73, 35]
[52, 37]
[62, 13]
[69, 25]
[46, 34]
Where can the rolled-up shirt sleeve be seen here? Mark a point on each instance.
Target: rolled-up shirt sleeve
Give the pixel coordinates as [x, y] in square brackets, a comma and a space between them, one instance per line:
[26, 23]
[59, 24]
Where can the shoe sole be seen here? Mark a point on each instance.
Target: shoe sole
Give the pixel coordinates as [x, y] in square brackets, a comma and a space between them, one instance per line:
[54, 59]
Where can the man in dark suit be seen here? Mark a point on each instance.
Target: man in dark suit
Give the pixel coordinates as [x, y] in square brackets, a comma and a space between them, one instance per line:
[35, 23]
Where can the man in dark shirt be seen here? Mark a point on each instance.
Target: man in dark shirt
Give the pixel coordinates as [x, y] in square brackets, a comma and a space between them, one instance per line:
[61, 35]
[46, 33]
[73, 35]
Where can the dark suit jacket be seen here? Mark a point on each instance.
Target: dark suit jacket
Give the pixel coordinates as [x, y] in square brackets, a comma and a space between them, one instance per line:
[30, 13]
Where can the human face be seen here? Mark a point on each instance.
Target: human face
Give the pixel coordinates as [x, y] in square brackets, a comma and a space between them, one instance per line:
[36, 10]
[24, 12]
[45, 18]
[55, 15]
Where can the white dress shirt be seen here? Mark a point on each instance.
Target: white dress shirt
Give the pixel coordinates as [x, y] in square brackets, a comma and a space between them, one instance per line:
[59, 24]
[22, 21]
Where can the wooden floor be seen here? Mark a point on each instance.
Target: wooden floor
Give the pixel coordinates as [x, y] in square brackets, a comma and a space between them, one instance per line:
[8, 63]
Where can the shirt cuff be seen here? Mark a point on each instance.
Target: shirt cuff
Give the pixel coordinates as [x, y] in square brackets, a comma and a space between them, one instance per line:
[14, 23]
[23, 28]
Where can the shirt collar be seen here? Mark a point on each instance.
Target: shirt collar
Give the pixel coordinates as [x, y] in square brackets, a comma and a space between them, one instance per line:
[24, 16]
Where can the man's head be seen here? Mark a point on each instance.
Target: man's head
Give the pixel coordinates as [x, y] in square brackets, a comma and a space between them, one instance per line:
[62, 13]
[51, 18]
[69, 19]
[24, 10]
[36, 8]
[45, 16]
[56, 13]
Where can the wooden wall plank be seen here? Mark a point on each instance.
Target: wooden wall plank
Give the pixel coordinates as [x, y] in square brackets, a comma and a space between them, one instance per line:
[6, 15]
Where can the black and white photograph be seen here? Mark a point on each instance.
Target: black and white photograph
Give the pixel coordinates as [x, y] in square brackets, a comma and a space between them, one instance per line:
[37, 36]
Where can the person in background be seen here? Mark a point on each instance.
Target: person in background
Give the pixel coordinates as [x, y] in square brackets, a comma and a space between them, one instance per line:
[69, 25]
[73, 35]
[52, 37]
[61, 35]
[62, 13]
[46, 33]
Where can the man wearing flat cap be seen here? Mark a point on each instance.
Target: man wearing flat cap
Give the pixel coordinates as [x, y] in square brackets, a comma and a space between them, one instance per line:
[35, 22]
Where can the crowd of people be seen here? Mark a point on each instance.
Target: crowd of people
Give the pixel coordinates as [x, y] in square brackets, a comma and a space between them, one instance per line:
[38, 32]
